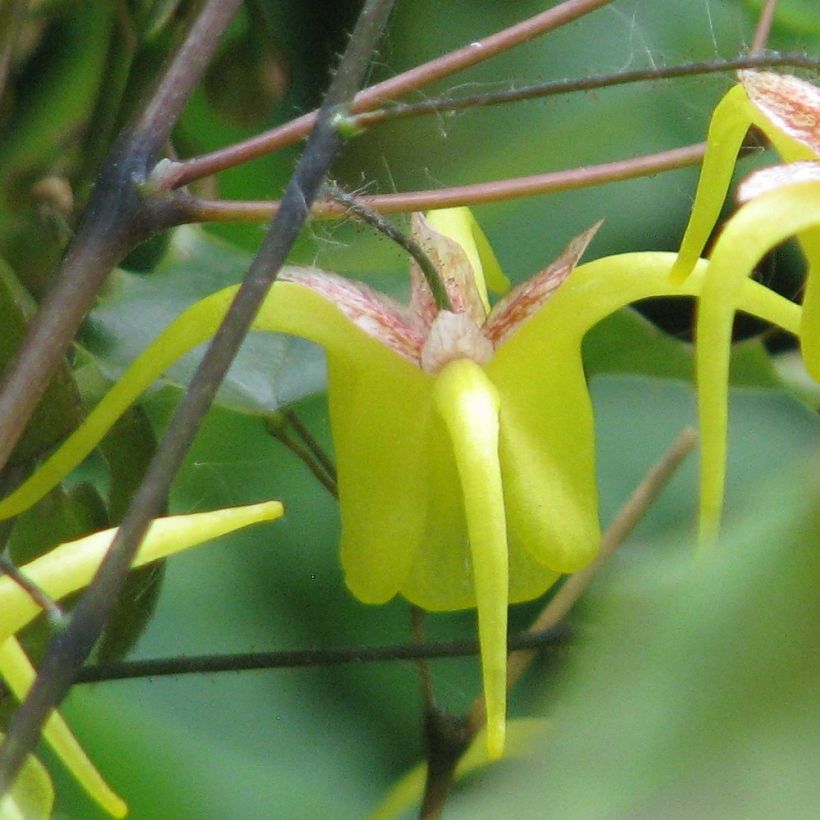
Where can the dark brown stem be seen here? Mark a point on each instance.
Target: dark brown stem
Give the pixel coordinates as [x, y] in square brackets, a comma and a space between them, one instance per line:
[310, 442]
[275, 426]
[448, 737]
[174, 175]
[445, 735]
[201, 210]
[428, 698]
[299, 658]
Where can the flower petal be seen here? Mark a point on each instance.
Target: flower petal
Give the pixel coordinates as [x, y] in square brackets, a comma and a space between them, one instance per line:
[810, 321]
[547, 441]
[791, 105]
[72, 565]
[460, 224]
[784, 108]
[290, 308]
[32, 795]
[468, 403]
[521, 302]
[380, 416]
[441, 573]
[748, 235]
[381, 317]
[767, 179]
[730, 122]
[380, 410]
[19, 674]
[453, 263]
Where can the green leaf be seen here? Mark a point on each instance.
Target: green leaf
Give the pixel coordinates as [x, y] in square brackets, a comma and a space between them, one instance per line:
[271, 370]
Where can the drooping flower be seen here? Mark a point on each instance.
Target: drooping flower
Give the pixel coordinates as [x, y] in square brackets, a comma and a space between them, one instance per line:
[464, 437]
[70, 567]
[779, 202]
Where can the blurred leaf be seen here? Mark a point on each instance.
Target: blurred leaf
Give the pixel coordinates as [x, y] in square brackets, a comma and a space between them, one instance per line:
[697, 693]
[128, 448]
[147, 255]
[248, 78]
[32, 796]
[57, 91]
[131, 614]
[59, 516]
[792, 371]
[270, 371]
[626, 342]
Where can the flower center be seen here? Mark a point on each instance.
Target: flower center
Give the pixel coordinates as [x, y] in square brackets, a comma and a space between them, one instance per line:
[454, 336]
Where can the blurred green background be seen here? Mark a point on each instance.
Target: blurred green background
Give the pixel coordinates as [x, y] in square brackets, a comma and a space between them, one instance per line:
[685, 677]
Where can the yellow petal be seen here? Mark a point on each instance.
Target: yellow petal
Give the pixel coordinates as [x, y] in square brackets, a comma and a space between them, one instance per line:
[380, 414]
[468, 404]
[19, 674]
[71, 566]
[460, 224]
[756, 228]
[810, 321]
[290, 308]
[730, 122]
[547, 443]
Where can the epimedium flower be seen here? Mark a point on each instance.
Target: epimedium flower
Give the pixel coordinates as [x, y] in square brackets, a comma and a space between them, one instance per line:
[463, 435]
[776, 203]
[70, 567]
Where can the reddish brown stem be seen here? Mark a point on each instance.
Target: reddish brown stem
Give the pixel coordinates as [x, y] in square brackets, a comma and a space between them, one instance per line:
[176, 174]
[201, 210]
[764, 27]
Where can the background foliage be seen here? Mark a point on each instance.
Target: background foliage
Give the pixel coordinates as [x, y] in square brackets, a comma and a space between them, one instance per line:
[684, 679]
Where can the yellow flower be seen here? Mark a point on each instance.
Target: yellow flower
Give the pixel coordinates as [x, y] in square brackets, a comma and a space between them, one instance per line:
[780, 202]
[70, 567]
[464, 438]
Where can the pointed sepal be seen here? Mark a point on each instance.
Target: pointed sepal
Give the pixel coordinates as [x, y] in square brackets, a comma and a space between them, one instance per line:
[468, 404]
